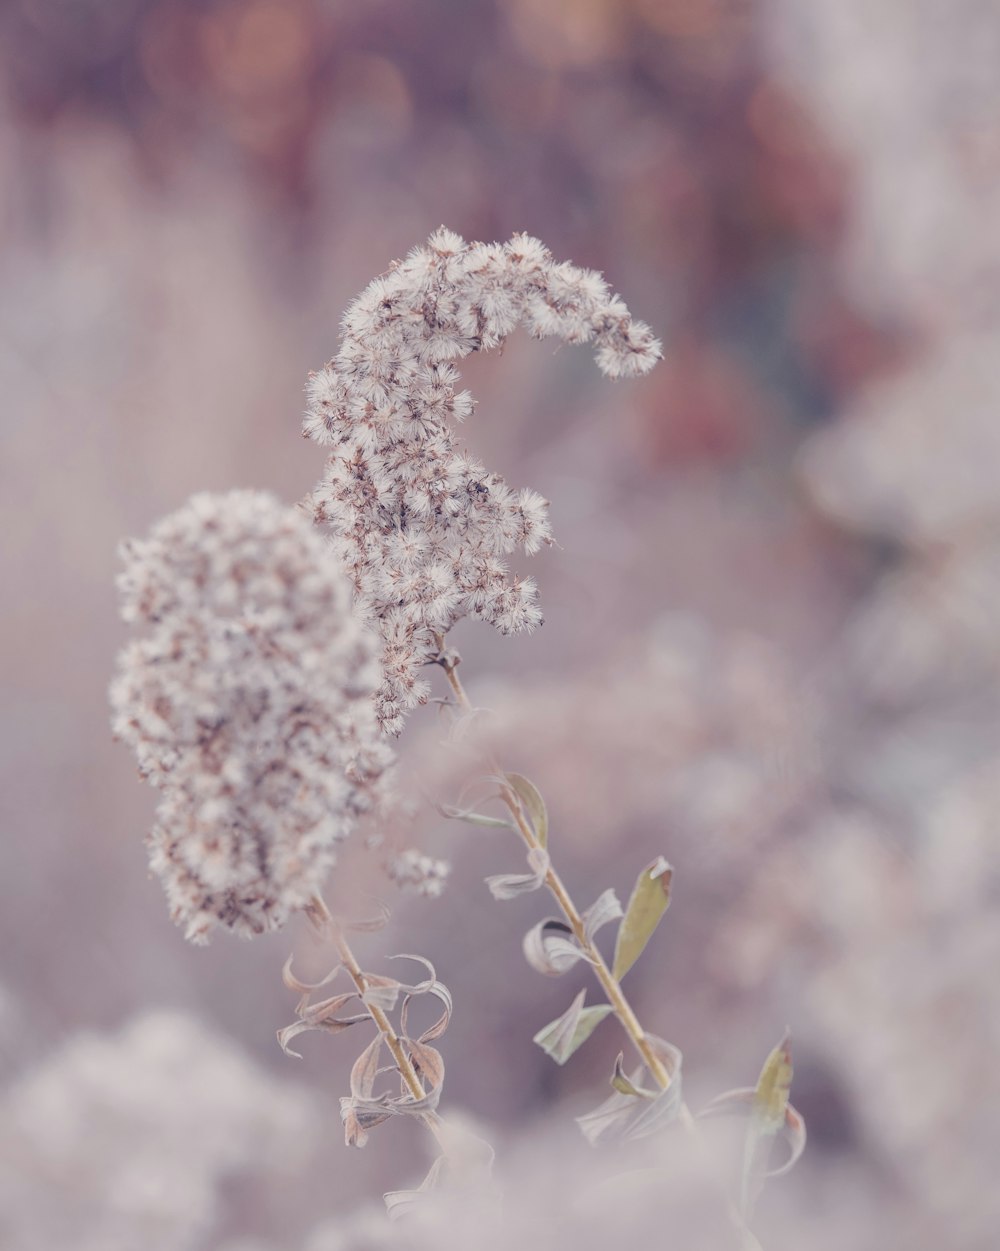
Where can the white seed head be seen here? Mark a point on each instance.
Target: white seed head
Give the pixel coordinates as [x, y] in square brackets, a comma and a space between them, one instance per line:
[421, 526]
[248, 704]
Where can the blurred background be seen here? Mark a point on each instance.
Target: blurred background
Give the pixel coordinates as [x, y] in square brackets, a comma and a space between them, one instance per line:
[770, 652]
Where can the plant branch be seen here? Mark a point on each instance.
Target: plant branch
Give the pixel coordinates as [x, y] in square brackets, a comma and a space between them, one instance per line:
[320, 915]
[611, 986]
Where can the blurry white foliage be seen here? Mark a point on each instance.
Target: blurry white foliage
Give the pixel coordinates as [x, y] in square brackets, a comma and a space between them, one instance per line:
[910, 88]
[121, 1143]
[421, 525]
[248, 704]
[916, 457]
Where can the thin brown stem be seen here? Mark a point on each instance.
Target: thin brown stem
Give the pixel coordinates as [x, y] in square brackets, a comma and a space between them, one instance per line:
[616, 997]
[320, 914]
[609, 983]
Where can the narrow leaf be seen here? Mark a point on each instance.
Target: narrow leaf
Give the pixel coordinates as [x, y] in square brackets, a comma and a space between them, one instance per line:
[550, 948]
[358, 1119]
[562, 1037]
[607, 907]
[370, 925]
[381, 992]
[365, 1069]
[768, 1114]
[289, 1032]
[510, 885]
[304, 988]
[325, 1010]
[646, 906]
[625, 1086]
[532, 804]
[762, 1106]
[474, 818]
[428, 1062]
[400, 1203]
[773, 1087]
[635, 1111]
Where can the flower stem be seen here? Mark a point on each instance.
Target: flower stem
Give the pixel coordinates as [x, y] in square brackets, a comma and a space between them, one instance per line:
[320, 916]
[609, 983]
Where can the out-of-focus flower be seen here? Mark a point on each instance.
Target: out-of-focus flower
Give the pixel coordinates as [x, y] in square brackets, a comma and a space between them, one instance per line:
[418, 873]
[917, 457]
[249, 705]
[421, 525]
[114, 1144]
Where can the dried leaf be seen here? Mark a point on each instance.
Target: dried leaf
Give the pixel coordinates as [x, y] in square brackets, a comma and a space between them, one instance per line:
[440, 991]
[289, 1032]
[430, 986]
[428, 1062]
[365, 1069]
[421, 987]
[638, 1112]
[510, 885]
[381, 992]
[369, 925]
[326, 1010]
[607, 907]
[646, 906]
[550, 948]
[400, 1203]
[358, 1119]
[304, 988]
[473, 818]
[532, 804]
[562, 1037]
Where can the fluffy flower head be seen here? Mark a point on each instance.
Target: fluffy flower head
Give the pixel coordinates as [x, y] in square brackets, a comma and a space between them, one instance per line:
[248, 704]
[423, 527]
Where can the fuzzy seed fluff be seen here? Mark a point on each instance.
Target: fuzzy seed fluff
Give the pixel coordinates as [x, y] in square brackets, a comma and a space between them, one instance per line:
[248, 705]
[421, 526]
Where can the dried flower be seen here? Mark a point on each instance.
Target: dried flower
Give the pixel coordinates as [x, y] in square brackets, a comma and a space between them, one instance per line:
[420, 874]
[422, 526]
[248, 705]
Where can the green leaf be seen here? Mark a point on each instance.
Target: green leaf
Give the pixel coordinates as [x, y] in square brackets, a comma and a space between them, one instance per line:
[770, 1100]
[768, 1117]
[562, 1037]
[645, 908]
[624, 1084]
[532, 804]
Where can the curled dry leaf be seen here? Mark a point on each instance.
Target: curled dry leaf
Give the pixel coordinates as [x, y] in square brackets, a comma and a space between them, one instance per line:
[305, 988]
[402, 1203]
[369, 925]
[428, 1062]
[531, 803]
[551, 948]
[430, 986]
[467, 1165]
[381, 992]
[641, 1112]
[646, 906]
[334, 1026]
[510, 885]
[560, 1038]
[607, 907]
